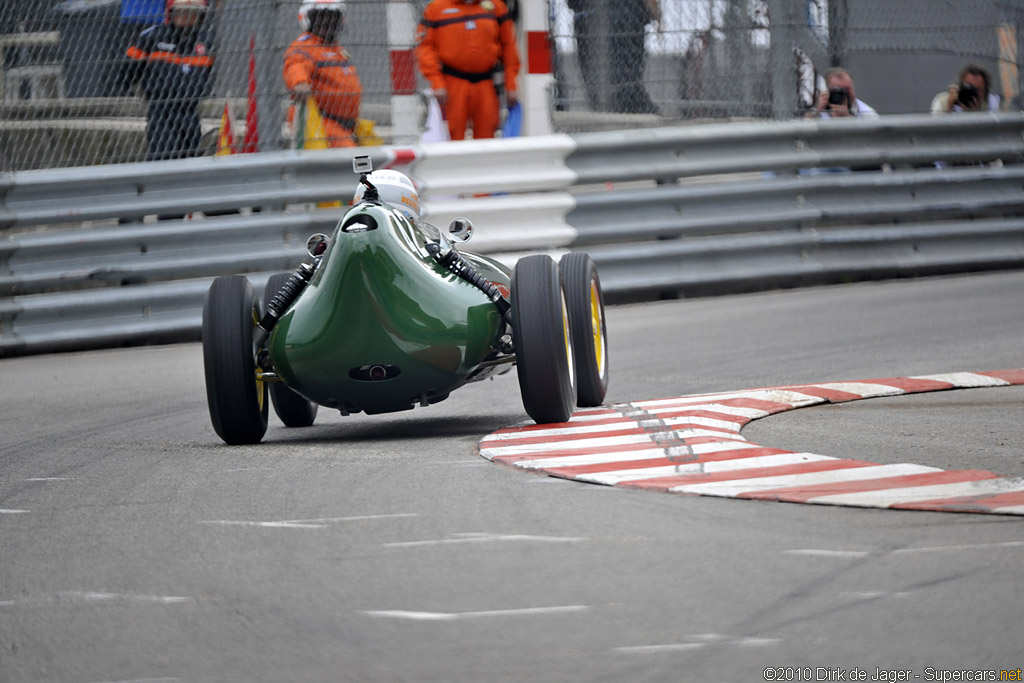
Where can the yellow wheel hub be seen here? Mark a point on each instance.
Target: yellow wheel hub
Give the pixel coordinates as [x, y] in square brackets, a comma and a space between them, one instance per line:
[597, 326]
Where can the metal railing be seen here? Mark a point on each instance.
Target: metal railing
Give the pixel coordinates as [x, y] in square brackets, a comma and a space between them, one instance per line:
[664, 212]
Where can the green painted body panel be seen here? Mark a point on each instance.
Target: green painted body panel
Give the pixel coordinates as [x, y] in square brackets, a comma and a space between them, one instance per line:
[379, 299]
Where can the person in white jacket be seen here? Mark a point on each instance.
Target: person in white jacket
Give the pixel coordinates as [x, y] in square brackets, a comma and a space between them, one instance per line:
[972, 91]
[839, 99]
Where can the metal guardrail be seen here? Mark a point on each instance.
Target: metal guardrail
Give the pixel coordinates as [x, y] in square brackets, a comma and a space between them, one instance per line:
[787, 203]
[633, 199]
[787, 146]
[179, 187]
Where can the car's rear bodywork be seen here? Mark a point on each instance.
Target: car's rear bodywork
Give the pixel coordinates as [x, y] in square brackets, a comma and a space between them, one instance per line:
[382, 326]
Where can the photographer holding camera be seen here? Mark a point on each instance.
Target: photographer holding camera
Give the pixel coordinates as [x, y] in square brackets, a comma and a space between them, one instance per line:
[840, 99]
[971, 92]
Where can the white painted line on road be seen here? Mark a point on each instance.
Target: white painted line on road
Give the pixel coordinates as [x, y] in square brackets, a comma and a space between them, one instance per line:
[476, 537]
[455, 616]
[12, 512]
[143, 680]
[976, 546]
[704, 640]
[320, 523]
[356, 518]
[872, 595]
[652, 649]
[47, 479]
[821, 552]
[97, 596]
[266, 525]
[92, 596]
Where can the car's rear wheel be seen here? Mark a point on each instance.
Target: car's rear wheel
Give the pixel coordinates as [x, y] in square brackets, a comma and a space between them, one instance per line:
[587, 324]
[292, 409]
[236, 396]
[540, 329]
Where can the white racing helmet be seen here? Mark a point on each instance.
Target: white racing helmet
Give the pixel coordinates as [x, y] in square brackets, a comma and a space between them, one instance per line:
[395, 189]
[308, 6]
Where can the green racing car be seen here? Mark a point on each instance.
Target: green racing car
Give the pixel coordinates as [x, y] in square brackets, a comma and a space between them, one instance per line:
[387, 314]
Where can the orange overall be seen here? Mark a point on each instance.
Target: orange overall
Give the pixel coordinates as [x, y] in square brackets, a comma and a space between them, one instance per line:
[458, 45]
[335, 83]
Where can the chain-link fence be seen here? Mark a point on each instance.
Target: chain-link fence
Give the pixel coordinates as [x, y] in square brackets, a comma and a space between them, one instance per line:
[81, 81]
[714, 59]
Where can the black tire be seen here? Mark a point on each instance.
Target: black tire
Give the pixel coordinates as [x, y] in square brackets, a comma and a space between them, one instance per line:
[238, 402]
[587, 324]
[540, 330]
[292, 409]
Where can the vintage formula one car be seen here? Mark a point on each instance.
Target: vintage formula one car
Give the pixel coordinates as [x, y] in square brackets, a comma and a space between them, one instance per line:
[388, 314]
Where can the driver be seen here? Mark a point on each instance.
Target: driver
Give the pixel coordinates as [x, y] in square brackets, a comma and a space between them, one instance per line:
[394, 189]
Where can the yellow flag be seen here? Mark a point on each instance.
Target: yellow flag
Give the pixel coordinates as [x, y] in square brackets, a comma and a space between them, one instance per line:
[366, 134]
[226, 136]
[314, 135]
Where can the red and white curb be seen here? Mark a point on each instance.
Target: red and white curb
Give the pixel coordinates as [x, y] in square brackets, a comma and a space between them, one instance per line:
[692, 445]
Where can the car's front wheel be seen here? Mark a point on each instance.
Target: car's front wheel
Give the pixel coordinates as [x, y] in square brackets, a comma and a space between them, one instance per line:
[540, 330]
[234, 391]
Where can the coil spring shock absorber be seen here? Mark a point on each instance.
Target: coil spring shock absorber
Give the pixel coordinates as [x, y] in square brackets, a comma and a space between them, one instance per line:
[453, 261]
[284, 298]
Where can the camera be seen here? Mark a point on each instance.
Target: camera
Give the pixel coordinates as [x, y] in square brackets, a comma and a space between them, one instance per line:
[837, 96]
[968, 95]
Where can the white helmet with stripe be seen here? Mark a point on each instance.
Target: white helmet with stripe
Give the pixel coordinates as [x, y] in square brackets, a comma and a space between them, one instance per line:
[308, 6]
[395, 189]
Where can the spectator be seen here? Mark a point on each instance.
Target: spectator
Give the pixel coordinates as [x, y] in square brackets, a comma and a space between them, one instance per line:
[172, 63]
[458, 46]
[971, 92]
[315, 64]
[840, 99]
[626, 54]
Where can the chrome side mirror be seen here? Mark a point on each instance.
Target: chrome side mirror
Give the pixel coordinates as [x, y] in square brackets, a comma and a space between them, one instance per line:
[317, 244]
[460, 229]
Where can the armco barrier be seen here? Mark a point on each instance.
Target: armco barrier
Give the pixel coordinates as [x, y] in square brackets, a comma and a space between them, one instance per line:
[664, 212]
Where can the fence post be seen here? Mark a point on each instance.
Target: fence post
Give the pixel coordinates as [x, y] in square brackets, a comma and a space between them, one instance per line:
[535, 78]
[269, 53]
[782, 26]
[405, 103]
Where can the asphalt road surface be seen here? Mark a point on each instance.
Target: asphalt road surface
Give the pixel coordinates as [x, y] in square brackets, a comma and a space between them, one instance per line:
[137, 547]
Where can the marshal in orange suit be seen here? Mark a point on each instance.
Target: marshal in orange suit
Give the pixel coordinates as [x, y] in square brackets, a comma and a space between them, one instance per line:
[316, 64]
[458, 45]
